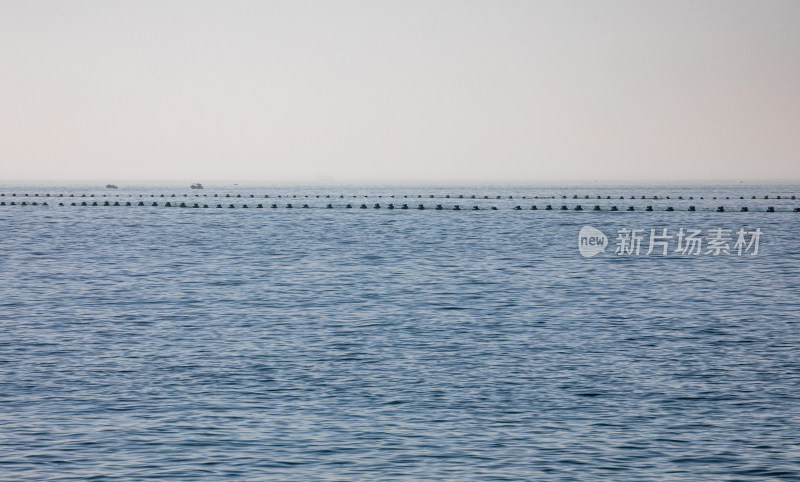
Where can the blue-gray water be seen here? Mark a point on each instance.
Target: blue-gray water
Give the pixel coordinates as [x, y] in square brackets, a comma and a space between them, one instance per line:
[309, 344]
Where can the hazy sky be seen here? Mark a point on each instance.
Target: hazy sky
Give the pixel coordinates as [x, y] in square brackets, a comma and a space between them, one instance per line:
[399, 90]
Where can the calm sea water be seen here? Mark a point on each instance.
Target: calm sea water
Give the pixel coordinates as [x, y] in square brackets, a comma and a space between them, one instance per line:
[335, 344]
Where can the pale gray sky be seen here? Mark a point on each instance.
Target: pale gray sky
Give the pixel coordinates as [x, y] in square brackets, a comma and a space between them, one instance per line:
[399, 90]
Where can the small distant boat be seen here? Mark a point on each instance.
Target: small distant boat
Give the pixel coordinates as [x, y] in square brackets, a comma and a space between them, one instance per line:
[111, 186]
[196, 185]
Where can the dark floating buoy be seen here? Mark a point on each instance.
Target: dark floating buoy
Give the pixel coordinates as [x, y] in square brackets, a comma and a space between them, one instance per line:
[167, 204]
[289, 206]
[116, 203]
[447, 196]
[797, 210]
[596, 207]
[456, 208]
[195, 205]
[517, 208]
[534, 208]
[770, 209]
[205, 205]
[438, 207]
[183, 205]
[404, 206]
[494, 208]
[94, 203]
[564, 208]
[363, 206]
[720, 209]
[578, 208]
[106, 203]
[691, 208]
[329, 206]
[244, 206]
[631, 208]
[476, 208]
[154, 204]
[670, 208]
[549, 207]
[231, 206]
[260, 206]
[744, 209]
[349, 206]
[390, 206]
[649, 208]
[420, 207]
[273, 206]
[376, 206]
[766, 197]
[614, 208]
[305, 206]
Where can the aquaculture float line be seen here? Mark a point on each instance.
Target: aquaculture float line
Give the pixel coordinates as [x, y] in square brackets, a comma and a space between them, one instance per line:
[390, 206]
[393, 196]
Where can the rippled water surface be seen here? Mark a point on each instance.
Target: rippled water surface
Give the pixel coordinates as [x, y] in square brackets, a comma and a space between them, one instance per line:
[350, 344]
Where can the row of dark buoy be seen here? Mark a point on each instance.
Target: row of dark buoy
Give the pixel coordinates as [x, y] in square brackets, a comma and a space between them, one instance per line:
[419, 196]
[438, 207]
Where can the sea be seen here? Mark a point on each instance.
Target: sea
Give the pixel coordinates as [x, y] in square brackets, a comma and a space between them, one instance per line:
[368, 343]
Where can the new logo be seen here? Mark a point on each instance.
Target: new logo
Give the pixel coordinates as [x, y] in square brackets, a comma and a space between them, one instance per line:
[591, 241]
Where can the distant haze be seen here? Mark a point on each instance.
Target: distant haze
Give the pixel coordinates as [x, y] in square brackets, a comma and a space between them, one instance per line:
[399, 90]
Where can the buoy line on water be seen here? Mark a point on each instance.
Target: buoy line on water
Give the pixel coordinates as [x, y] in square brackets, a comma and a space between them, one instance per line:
[293, 201]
